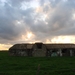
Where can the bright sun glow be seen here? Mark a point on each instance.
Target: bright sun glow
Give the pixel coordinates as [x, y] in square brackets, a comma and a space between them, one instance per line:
[29, 35]
[63, 39]
[4, 47]
[74, 16]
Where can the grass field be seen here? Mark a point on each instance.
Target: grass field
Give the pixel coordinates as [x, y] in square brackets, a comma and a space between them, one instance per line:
[10, 65]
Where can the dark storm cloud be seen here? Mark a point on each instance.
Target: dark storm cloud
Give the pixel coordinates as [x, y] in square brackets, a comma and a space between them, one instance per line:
[8, 16]
[59, 18]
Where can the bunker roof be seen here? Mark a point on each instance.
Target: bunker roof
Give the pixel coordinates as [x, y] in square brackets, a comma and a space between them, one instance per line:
[50, 46]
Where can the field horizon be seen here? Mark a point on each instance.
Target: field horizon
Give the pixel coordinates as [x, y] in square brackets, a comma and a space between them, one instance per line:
[20, 65]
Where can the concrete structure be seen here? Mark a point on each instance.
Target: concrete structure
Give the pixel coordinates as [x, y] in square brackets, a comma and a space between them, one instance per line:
[39, 50]
[60, 49]
[21, 50]
[42, 50]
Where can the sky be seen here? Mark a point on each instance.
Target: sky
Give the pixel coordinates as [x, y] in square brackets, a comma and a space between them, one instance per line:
[30, 21]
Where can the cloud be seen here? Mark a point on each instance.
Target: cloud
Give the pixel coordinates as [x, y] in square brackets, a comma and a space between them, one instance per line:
[59, 20]
[49, 19]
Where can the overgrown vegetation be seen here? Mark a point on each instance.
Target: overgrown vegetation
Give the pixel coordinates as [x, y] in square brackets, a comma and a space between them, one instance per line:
[11, 65]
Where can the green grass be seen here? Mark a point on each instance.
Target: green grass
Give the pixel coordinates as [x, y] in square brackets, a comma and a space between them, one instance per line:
[11, 65]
